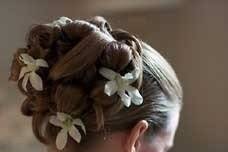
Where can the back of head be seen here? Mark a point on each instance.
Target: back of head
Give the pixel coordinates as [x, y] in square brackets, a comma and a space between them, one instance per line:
[70, 81]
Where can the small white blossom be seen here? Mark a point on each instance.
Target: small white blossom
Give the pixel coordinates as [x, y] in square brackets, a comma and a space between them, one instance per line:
[67, 123]
[60, 22]
[28, 72]
[121, 85]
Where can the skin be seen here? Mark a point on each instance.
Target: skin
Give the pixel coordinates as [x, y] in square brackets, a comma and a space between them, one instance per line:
[164, 140]
[134, 140]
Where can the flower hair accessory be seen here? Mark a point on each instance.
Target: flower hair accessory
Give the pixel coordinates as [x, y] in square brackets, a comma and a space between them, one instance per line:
[28, 72]
[60, 22]
[121, 85]
[67, 123]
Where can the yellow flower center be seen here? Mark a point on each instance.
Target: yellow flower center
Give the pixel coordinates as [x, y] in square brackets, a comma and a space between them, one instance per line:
[68, 123]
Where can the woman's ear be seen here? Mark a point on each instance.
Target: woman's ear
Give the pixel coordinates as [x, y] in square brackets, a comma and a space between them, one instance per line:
[133, 139]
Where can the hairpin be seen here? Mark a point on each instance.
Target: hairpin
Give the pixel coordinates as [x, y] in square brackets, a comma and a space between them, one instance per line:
[28, 72]
[121, 85]
[67, 123]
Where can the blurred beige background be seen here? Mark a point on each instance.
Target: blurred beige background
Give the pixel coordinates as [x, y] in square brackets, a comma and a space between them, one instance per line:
[191, 34]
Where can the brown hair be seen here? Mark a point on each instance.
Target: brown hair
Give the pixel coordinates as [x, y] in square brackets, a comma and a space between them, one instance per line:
[75, 51]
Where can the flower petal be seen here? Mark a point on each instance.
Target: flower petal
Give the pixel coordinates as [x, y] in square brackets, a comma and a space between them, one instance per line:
[41, 63]
[75, 134]
[36, 81]
[79, 123]
[23, 71]
[136, 97]
[26, 58]
[55, 121]
[61, 139]
[125, 98]
[25, 81]
[62, 116]
[133, 76]
[128, 76]
[110, 88]
[107, 73]
[61, 21]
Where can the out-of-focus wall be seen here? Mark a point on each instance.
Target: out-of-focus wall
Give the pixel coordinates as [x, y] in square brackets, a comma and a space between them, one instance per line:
[192, 36]
[202, 51]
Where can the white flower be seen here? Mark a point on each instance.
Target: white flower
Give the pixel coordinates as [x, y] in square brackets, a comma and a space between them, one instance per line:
[28, 72]
[60, 22]
[67, 123]
[121, 85]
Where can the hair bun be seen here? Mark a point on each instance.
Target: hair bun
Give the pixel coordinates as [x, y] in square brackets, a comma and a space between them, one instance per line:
[70, 98]
[78, 29]
[42, 36]
[27, 107]
[116, 56]
[82, 56]
[102, 23]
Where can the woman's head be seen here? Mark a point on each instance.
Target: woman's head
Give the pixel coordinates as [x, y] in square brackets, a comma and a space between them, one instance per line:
[71, 54]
